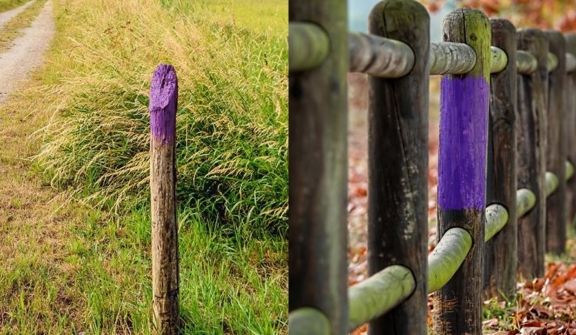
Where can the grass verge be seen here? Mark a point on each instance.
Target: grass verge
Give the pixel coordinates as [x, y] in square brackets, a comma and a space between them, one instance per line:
[13, 29]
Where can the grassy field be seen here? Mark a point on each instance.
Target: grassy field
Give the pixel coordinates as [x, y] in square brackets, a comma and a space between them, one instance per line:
[9, 4]
[82, 263]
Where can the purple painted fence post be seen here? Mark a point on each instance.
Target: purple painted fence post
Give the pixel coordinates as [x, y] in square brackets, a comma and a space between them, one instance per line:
[462, 171]
[165, 282]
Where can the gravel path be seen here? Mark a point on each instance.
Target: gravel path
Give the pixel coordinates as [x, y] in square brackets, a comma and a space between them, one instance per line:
[27, 51]
[8, 15]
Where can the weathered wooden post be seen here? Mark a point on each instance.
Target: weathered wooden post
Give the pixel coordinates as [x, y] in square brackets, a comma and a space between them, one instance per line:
[398, 164]
[570, 134]
[556, 150]
[530, 160]
[500, 260]
[318, 171]
[163, 105]
[462, 171]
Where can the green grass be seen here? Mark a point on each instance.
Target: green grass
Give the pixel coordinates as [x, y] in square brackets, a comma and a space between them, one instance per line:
[101, 283]
[10, 4]
[259, 16]
[88, 268]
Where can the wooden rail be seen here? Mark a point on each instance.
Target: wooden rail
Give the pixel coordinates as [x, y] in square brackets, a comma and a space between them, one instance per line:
[503, 147]
[389, 58]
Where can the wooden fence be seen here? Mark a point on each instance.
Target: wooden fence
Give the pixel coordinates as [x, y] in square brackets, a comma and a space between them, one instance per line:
[165, 265]
[505, 193]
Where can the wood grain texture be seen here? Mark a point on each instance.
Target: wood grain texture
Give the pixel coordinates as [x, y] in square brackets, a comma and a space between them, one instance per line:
[499, 59]
[462, 171]
[556, 148]
[451, 58]
[530, 158]
[570, 134]
[378, 56]
[165, 272]
[500, 260]
[317, 165]
[398, 164]
[447, 257]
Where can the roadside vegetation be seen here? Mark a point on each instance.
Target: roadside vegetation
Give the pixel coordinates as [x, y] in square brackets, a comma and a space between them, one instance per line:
[83, 264]
[9, 4]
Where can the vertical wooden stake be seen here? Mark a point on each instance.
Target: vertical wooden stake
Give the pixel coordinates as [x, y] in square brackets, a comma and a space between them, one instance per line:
[500, 257]
[531, 160]
[462, 171]
[556, 146]
[318, 169]
[163, 105]
[398, 164]
[570, 134]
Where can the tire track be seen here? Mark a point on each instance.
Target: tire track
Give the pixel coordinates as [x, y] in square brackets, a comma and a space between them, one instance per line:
[8, 15]
[27, 51]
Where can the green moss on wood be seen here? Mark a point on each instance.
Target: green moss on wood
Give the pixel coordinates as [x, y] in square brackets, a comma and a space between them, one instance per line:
[525, 201]
[308, 321]
[308, 46]
[378, 294]
[496, 219]
[447, 257]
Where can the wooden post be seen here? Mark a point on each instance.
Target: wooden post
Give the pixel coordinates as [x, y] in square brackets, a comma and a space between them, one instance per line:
[163, 105]
[530, 160]
[556, 150]
[500, 260]
[398, 164]
[318, 168]
[462, 171]
[570, 134]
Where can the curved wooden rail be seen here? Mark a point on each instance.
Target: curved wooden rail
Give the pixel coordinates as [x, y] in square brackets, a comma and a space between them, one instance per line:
[525, 62]
[386, 289]
[388, 58]
[308, 321]
[309, 46]
[367, 301]
[378, 56]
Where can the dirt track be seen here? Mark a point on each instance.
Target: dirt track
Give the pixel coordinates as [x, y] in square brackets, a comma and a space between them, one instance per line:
[27, 51]
[8, 15]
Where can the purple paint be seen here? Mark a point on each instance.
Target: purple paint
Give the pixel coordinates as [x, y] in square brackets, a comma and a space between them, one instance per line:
[163, 104]
[463, 134]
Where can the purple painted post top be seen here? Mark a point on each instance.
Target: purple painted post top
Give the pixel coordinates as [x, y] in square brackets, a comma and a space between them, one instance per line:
[163, 104]
[463, 136]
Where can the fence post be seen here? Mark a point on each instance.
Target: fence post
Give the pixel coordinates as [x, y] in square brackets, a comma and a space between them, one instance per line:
[462, 171]
[163, 106]
[571, 135]
[318, 169]
[398, 164]
[531, 142]
[556, 146]
[500, 258]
